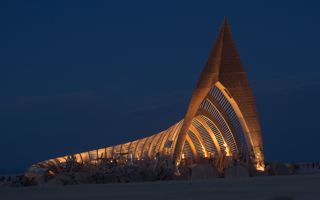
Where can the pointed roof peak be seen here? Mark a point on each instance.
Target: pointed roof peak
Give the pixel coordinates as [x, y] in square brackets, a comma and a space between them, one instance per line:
[225, 22]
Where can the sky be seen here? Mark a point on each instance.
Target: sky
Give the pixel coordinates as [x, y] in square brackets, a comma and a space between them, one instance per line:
[82, 75]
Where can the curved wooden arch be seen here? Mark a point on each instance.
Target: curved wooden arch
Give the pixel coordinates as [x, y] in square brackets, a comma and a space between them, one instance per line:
[243, 121]
[54, 162]
[226, 120]
[197, 134]
[165, 138]
[192, 147]
[146, 147]
[170, 135]
[175, 138]
[129, 150]
[136, 152]
[214, 139]
[215, 122]
[150, 145]
[153, 153]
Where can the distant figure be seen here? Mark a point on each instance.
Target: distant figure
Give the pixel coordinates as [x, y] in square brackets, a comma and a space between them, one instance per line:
[18, 181]
[115, 162]
[317, 163]
[9, 179]
[293, 168]
[307, 165]
[298, 167]
[313, 165]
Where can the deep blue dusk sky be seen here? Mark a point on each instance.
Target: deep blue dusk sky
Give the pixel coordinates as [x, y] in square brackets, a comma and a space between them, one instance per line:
[82, 75]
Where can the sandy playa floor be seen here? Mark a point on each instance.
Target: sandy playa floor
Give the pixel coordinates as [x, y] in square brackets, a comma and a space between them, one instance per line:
[302, 186]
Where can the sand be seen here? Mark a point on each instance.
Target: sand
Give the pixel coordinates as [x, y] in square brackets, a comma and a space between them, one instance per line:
[300, 186]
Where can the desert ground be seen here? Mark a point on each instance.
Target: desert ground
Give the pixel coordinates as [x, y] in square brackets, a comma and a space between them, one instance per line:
[304, 185]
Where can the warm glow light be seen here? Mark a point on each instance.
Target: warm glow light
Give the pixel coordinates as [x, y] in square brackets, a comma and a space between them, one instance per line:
[183, 156]
[51, 172]
[205, 155]
[260, 167]
[227, 149]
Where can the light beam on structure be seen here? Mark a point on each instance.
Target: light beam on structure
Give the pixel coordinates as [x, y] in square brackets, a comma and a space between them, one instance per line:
[222, 100]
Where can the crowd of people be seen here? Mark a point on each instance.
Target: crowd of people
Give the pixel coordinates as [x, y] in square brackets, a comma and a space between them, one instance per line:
[4, 179]
[313, 165]
[18, 179]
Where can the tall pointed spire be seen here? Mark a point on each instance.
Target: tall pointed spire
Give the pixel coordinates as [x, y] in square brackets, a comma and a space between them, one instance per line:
[225, 70]
[208, 78]
[233, 78]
